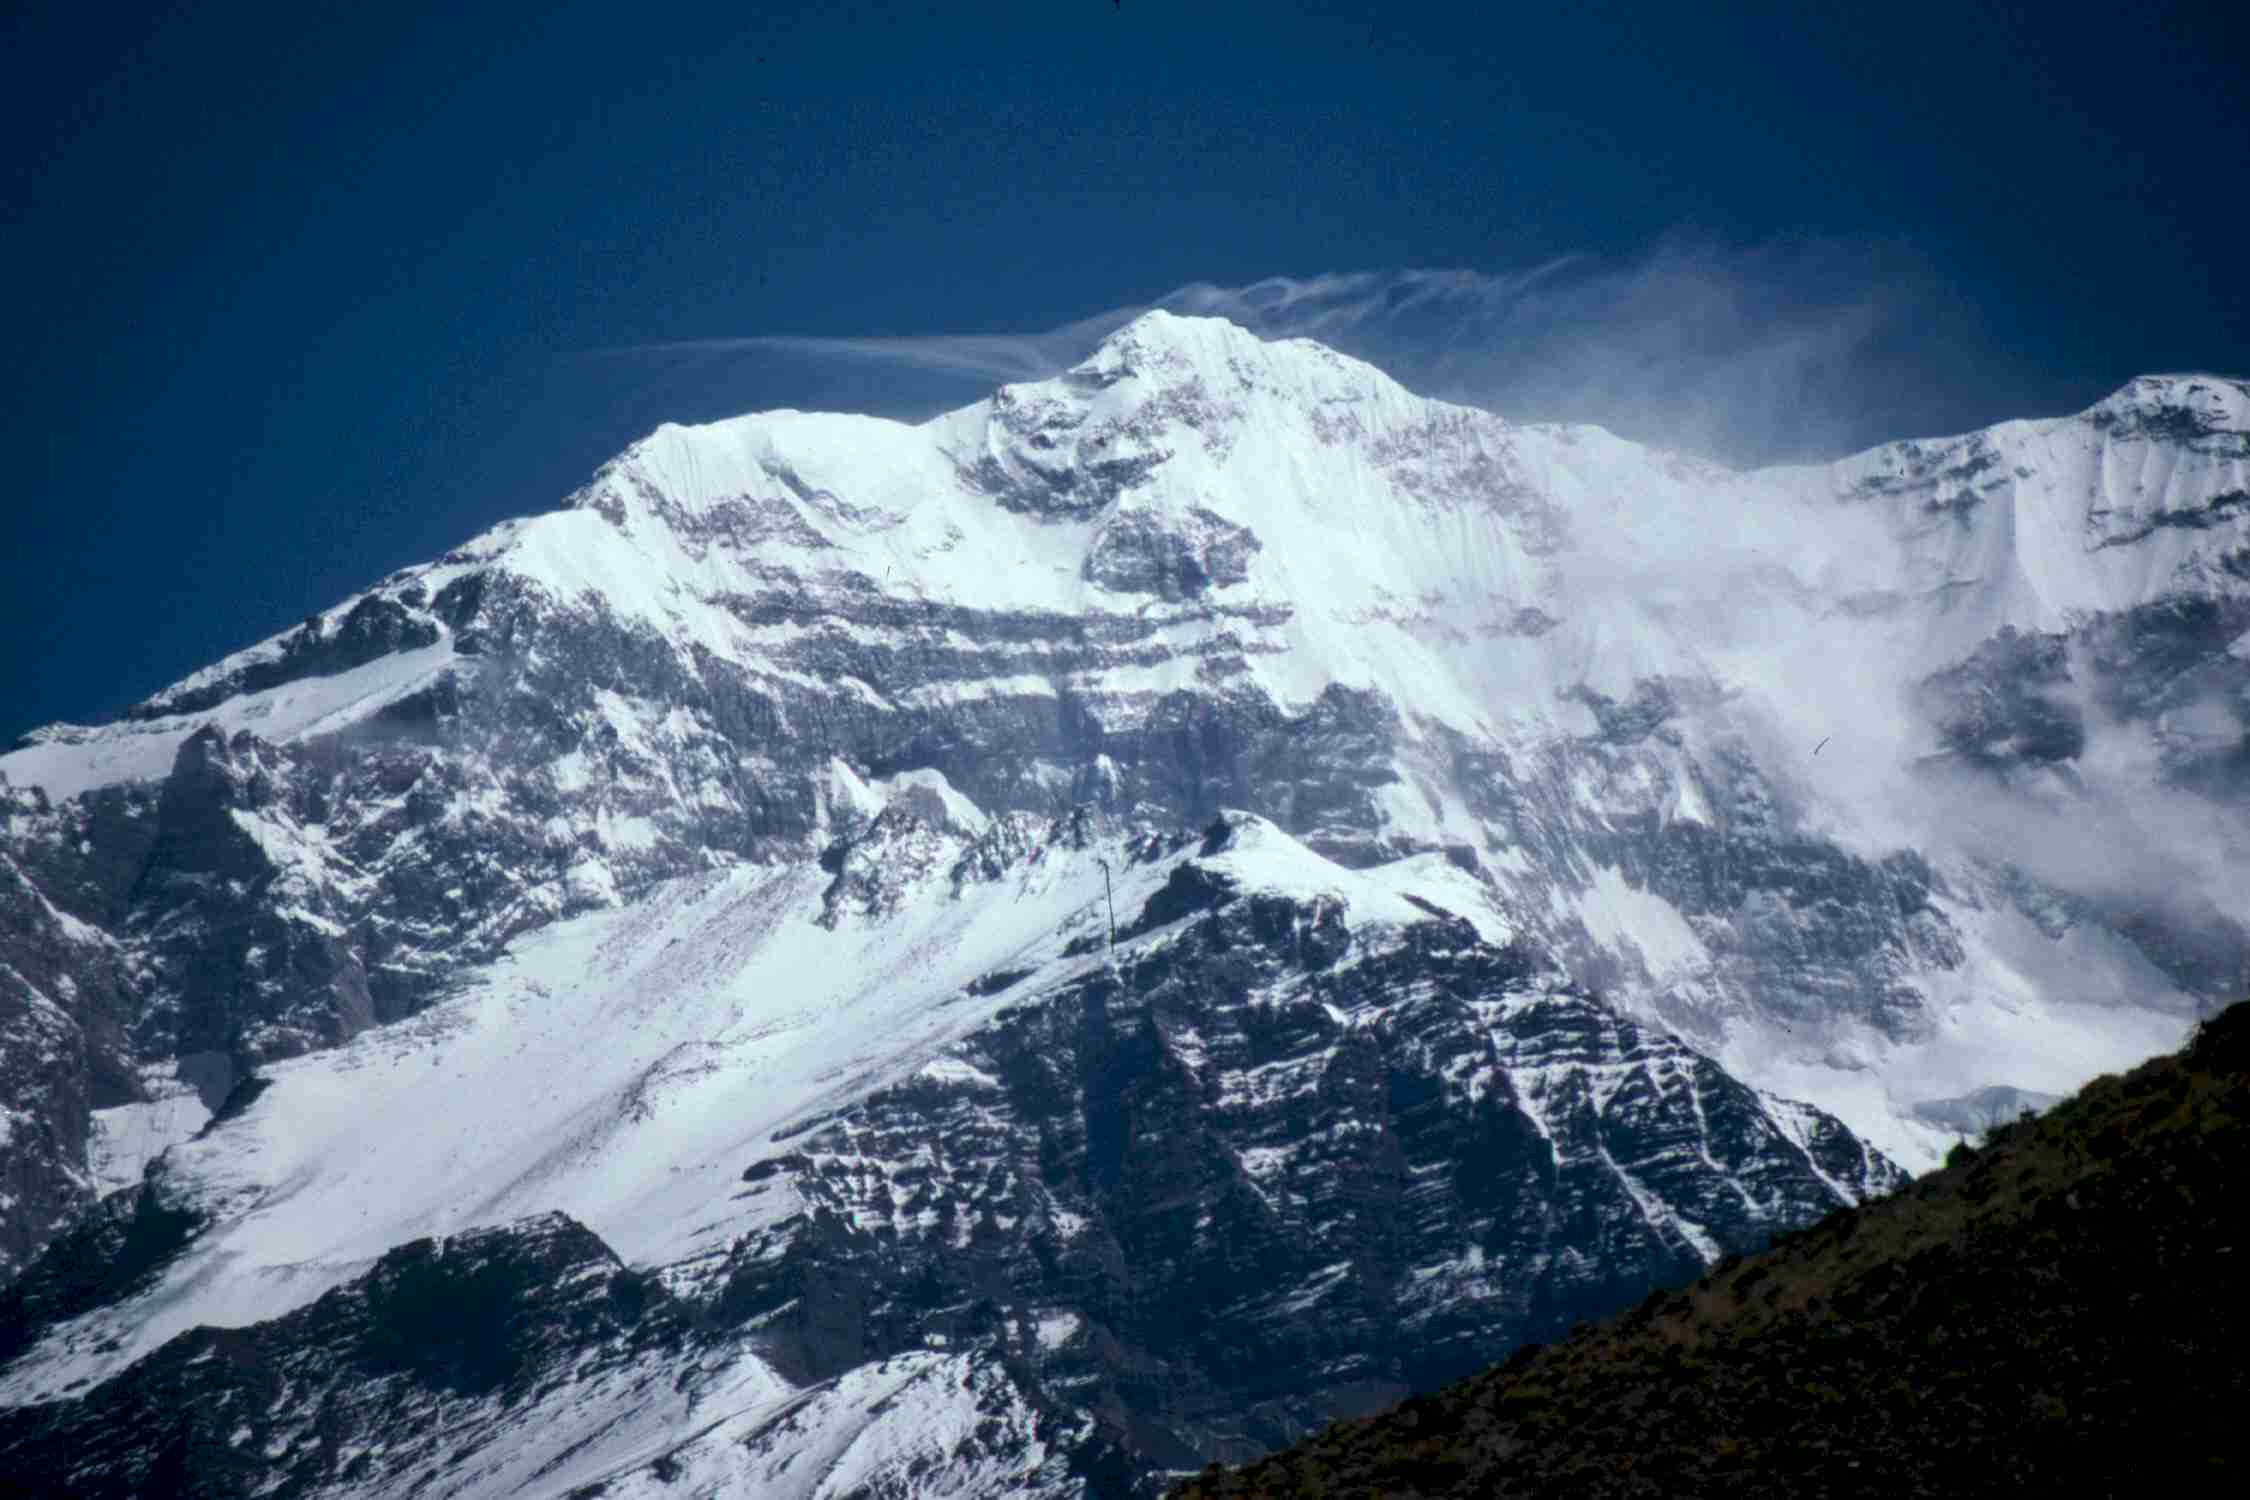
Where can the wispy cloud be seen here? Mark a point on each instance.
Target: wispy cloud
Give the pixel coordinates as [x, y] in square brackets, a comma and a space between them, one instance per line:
[986, 358]
[1787, 349]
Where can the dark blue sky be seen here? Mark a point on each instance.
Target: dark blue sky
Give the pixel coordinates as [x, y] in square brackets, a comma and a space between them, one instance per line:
[304, 293]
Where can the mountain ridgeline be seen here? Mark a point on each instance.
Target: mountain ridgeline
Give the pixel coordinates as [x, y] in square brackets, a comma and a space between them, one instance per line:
[2058, 1311]
[1027, 953]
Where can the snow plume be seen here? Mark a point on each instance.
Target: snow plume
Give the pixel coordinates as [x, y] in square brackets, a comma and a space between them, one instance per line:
[2115, 829]
[1831, 710]
[1789, 349]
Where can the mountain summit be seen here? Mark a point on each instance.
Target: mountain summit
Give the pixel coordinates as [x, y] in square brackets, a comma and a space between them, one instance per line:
[1540, 866]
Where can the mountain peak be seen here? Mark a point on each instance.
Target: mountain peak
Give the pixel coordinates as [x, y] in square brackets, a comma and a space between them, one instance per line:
[2180, 405]
[1159, 341]
[1160, 328]
[1165, 347]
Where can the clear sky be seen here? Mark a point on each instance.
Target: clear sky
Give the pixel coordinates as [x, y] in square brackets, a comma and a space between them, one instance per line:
[302, 293]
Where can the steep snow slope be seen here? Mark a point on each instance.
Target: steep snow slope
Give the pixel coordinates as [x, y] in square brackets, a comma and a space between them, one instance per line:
[624, 1068]
[67, 760]
[905, 1174]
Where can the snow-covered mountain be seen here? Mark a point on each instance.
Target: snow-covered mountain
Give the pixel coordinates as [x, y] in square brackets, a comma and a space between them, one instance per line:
[709, 884]
[1298, 1143]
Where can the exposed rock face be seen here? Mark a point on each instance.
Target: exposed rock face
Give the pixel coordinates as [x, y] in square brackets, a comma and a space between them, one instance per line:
[1265, 1171]
[66, 1001]
[1299, 1144]
[1139, 553]
[1799, 767]
[406, 1376]
[2009, 703]
[237, 927]
[2053, 1313]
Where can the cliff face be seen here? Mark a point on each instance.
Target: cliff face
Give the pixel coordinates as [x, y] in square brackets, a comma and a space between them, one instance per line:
[2056, 1310]
[1269, 1167]
[1763, 786]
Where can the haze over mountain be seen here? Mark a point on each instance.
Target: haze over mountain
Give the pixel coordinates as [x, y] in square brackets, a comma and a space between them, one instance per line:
[672, 934]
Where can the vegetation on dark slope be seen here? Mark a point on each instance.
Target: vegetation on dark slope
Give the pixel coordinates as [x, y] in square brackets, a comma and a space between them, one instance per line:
[2058, 1312]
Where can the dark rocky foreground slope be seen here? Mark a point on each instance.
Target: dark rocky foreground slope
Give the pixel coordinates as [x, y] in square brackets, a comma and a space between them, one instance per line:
[2060, 1312]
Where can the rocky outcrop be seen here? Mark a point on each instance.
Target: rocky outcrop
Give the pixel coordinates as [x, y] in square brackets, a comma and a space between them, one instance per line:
[376, 625]
[1139, 553]
[405, 1377]
[2053, 1312]
[66, 1000]
[1267, 1171]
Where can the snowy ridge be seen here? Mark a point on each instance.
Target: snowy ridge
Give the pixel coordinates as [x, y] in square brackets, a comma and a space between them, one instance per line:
[946, 1425]
[1413, 520]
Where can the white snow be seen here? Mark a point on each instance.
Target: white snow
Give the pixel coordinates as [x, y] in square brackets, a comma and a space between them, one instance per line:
[1055, 1329]
[929, 788]
[127, 1137]
[1621, 915]
[848, 795]
[930, 1425]
[1261, 857]
[68, 760]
